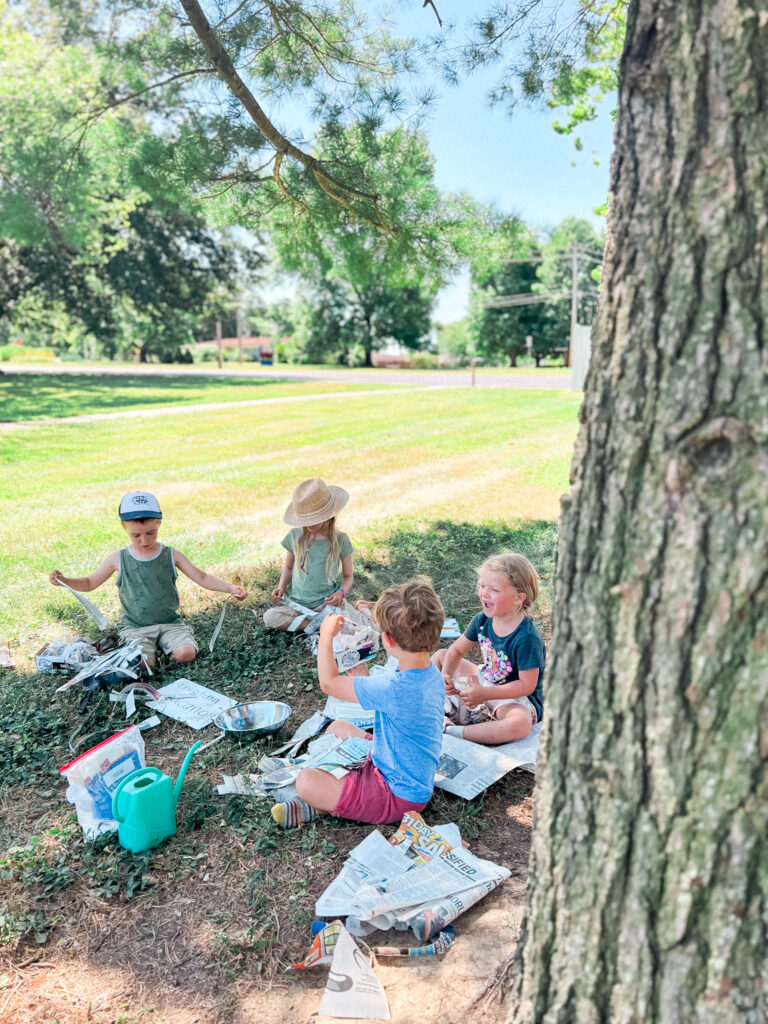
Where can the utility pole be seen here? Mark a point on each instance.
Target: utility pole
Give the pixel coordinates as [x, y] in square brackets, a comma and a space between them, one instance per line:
[218, 342]
[575, 253]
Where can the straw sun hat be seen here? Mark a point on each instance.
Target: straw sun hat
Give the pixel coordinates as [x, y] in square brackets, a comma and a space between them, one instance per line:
[314, 502]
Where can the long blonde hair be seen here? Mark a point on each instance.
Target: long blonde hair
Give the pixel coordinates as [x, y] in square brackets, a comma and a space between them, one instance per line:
[304, 542]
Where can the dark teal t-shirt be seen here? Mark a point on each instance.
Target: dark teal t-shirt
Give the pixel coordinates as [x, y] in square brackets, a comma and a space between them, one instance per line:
[505, 657]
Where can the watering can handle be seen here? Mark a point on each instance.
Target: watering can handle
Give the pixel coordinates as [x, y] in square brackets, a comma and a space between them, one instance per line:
[139, 771]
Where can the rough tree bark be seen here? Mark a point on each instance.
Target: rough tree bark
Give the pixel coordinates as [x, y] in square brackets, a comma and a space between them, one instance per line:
[649, 867]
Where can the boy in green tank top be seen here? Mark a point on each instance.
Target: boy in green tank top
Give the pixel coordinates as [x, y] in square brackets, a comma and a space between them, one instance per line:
[146, 583]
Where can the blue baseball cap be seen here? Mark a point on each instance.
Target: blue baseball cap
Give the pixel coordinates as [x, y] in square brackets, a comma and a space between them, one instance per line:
[139, 505]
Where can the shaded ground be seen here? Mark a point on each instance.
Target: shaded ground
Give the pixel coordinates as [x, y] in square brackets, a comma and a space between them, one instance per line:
[41, 394]
[201, 929]
[545, 378]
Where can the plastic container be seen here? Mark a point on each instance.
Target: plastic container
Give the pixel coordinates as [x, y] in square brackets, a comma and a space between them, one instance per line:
[94, 776]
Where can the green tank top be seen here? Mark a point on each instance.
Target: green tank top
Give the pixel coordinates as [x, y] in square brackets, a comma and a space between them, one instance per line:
[147, 590]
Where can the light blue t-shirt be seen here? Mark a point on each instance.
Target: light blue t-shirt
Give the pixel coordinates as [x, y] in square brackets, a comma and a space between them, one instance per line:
[407, 729]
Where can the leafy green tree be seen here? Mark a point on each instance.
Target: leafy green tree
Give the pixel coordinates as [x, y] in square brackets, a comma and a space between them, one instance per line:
[385, 283]
[501, 331]
[555, 272]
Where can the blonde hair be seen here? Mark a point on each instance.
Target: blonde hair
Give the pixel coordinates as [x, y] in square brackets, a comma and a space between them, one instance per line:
[304, 542]
[520, 573]
[412, 615]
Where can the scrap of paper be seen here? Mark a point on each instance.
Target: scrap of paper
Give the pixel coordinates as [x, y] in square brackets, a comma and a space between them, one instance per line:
[190, 703]
[219, 624]
[92, 610]
[321, 950]
[450, 630]
[352, 989]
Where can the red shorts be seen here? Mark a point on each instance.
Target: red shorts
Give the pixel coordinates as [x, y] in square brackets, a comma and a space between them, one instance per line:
[367, 797]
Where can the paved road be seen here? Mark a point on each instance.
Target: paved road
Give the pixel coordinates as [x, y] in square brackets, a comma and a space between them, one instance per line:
[540, 379]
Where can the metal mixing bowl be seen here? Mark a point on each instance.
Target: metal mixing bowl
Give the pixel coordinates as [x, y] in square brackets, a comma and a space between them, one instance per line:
[249, 721]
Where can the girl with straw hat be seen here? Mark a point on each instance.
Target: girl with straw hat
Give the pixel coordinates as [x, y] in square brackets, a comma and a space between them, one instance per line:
[318, 567]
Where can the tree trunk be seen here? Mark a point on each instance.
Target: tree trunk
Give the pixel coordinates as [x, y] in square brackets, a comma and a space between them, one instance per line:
[649, 865]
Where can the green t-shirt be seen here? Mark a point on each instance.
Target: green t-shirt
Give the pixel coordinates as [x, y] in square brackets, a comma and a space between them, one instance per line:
[315, 582]
[147, 589]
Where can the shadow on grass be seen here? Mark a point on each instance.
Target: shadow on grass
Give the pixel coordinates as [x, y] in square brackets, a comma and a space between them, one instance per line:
[450, 553]
[54, 876]
[37, 395]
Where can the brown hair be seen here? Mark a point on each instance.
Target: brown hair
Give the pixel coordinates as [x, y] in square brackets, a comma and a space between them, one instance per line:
[412, 615]
[520, 573]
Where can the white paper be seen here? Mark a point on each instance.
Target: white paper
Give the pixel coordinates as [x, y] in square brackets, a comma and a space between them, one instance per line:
[467, 769]
[450, 630]
[149, 723]
[352, 989]
[219, 624]
[130, 704]
[348, 711]
[100, 620]
[190, 703]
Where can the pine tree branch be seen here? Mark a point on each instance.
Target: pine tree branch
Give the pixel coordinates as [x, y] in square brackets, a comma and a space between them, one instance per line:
[222, 63]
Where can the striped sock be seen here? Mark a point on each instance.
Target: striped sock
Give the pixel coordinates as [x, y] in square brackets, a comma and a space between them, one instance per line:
[293, 814]
[455, 730]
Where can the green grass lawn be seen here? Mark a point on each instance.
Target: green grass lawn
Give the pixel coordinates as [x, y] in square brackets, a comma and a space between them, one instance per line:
[224, 478]
[32, 396]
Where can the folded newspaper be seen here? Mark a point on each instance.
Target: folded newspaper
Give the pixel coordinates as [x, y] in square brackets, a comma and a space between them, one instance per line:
[422, 880]
[329, 753]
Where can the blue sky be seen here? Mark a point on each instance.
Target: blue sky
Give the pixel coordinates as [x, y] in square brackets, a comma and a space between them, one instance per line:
[516, 162]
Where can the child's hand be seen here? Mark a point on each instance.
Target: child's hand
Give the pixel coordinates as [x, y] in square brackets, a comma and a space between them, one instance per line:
[240, 593]
[365, 606]
[473, 696]
[336, 599]
[277, 594]
[55, 576]
[450, 689]
[331, 625]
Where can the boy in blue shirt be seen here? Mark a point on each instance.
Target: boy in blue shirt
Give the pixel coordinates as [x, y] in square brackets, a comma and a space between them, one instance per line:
[398, 774]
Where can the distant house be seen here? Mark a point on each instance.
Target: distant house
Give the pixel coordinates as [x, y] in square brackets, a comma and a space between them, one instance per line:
[258, 348]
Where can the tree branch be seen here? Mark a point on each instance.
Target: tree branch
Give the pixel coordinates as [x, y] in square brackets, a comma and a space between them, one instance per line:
[429, 3]
[222, 62]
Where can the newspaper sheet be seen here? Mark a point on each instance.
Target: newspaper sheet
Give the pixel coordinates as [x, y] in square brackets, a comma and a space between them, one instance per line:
[98, 617]
[353, 990]
[466, 769]
[423, 882]
[329, 753]
[348, 711]
[190, 703]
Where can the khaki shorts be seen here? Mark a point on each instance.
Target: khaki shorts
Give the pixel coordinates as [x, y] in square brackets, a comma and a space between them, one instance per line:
[165, 635]
[282, 615]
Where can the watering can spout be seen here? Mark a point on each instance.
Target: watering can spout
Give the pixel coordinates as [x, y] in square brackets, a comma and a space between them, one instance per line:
[183, 772]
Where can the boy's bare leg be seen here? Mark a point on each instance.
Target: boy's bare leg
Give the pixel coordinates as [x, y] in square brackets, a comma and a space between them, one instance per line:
[184, 654]
[512, 722]
[319, 789]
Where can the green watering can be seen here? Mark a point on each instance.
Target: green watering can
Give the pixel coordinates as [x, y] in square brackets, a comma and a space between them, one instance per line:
[144, 806]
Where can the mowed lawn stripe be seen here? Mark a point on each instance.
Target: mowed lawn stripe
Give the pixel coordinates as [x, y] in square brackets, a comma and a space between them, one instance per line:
[224, 478]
